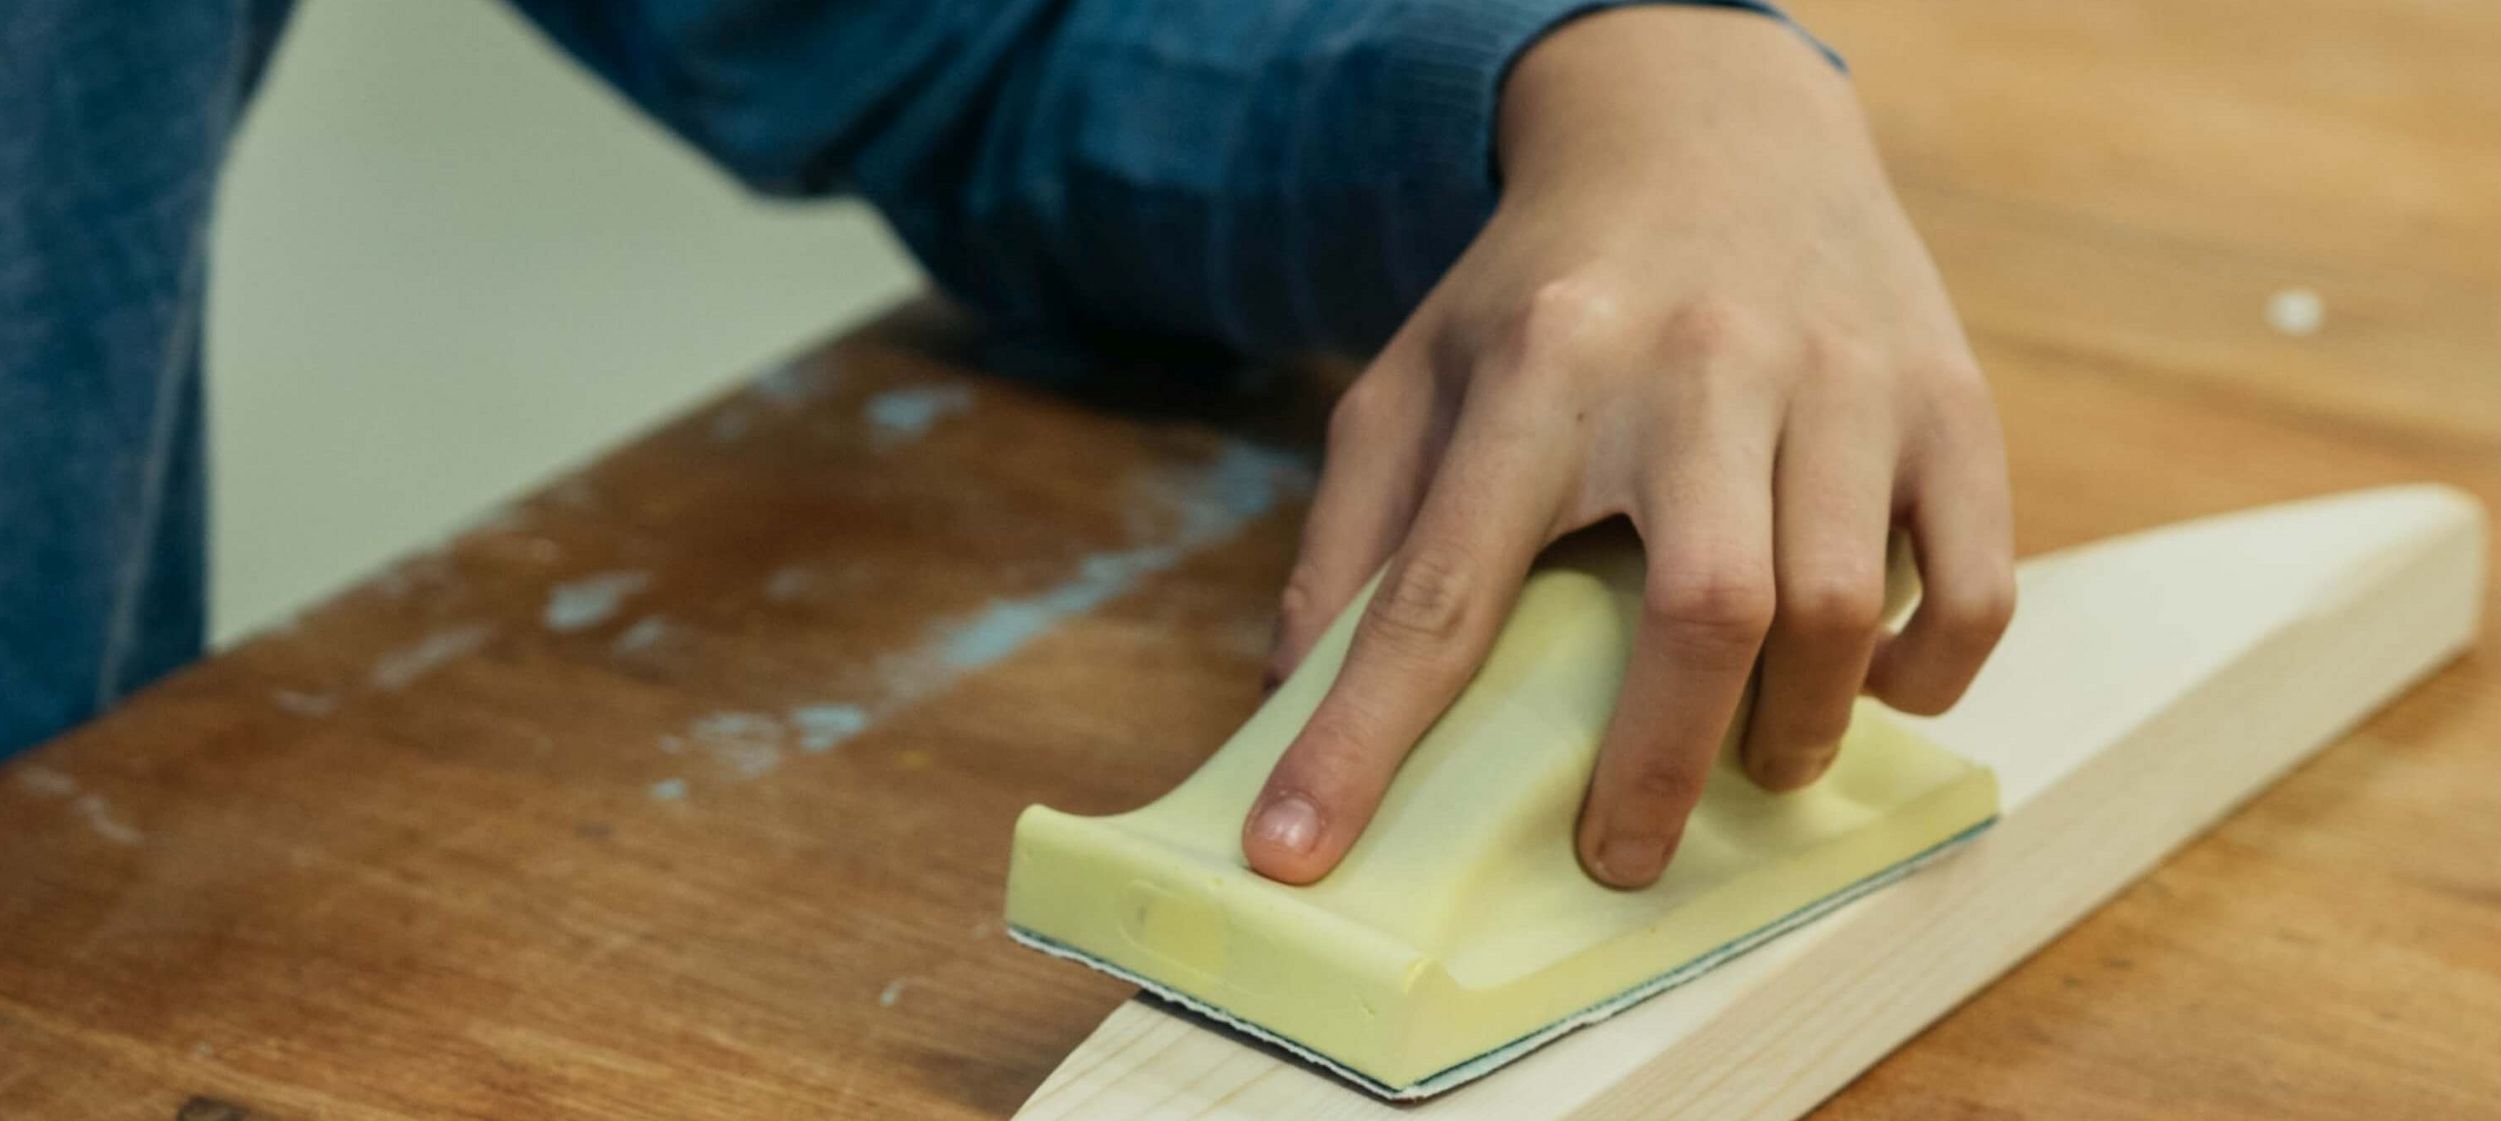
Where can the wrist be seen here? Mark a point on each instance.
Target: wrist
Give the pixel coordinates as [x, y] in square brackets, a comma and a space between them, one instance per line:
[1628, 90]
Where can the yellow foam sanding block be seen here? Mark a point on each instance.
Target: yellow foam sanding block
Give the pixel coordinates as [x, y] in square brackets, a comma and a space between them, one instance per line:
[1460, 932]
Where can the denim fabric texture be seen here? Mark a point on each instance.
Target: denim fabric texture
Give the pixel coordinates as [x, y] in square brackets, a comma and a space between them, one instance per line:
[1271, 175]
[113, 120]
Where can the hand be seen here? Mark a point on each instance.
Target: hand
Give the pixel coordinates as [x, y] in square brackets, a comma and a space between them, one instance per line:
[1697, 306]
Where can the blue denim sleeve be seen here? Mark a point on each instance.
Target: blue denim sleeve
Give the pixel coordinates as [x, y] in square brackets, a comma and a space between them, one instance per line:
[1277, 175]
[114, 119]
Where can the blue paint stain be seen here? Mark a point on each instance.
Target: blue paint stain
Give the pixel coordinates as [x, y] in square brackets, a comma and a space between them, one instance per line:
[1213, 502]
[827, 726]
[643, 635]
[909, 413]
[669, 790]
[999, 631]
[1206, 506]
[589, 601]
[1243, 484]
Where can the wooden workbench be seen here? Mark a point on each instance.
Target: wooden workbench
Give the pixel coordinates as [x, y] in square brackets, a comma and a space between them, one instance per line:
[682, 788]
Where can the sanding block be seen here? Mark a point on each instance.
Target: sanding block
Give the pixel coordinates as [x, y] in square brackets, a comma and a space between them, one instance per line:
[1460, 932]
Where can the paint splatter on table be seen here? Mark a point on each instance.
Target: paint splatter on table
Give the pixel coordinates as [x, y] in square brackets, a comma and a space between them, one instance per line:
[682, 788]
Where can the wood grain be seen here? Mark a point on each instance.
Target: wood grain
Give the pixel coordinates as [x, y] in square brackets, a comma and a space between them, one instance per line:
[278, 884]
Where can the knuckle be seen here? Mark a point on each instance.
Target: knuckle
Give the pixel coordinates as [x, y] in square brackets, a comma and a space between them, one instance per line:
[1331, 756]
[1813, 732]
[1710, 329]
[1974, 617]
[1423, 607]
[1925, 694]
[1838, 602]
[1835, 357]
[1961, 395]
[1959, 372]
[1912, 704]
[1301, 597]
[1361, 410]
[1722, 603]
[1659, 780]
[1564, 320]
[1567, 307]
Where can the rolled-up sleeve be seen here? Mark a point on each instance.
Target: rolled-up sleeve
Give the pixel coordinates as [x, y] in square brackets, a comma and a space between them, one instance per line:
[1278, 175]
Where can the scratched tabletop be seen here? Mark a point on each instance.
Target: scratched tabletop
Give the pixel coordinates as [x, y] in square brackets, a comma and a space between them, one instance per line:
[682, 787]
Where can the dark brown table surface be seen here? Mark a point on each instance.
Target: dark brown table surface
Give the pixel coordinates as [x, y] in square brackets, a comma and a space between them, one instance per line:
[681, 788]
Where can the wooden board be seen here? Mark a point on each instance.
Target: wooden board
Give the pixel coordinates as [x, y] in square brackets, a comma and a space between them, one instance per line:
[2148, 685]
[277, 883]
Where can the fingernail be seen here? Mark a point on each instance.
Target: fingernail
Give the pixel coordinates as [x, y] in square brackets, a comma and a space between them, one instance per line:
[1291, 823]
[1632, 860]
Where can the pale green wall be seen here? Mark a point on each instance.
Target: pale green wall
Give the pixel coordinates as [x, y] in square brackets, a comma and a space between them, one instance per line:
[450, 263]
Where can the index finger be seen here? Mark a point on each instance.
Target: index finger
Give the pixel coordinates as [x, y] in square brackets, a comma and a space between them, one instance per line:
[1423, 633]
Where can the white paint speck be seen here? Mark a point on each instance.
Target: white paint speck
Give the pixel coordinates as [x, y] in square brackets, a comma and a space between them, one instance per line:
[787, 583]
[401, 668]
[2296, 311]
[100, 818]
[508, 518]
[909, 413]
[44, 782]
[891, 993]
[643, 635]
[311, 706]
[575, 491]
[748, 743]
[1253, 637]
[669, 790]
[589, 601]
[825, 727]
[794, 383]
[983, 928]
